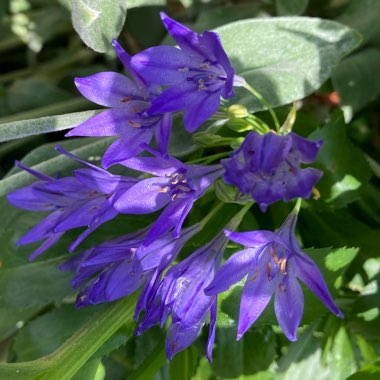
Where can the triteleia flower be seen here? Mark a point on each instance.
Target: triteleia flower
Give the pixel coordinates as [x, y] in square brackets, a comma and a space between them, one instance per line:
[197, 74]
[86, 199]
[128, 100]
[181, 295]
[176, 187]
[119, 267]
[273, 262]
[268, 167]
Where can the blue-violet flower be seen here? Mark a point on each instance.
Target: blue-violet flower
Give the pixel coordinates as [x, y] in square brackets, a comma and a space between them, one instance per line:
[86, 199]
[268, 167]
[128, 100]
[176, 187]
[273, 262]
[197, 74]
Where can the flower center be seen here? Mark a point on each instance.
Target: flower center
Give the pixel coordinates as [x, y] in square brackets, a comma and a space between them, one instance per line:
[177, 185]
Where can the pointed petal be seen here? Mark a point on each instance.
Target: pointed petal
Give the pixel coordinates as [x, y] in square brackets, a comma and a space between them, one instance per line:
[253, 238]
[127, 146]
[288, 304]
[211, 334]
[163, 131]
[256, 295]
[186, 39]
[111, 122]
[144, 198]
[204, 107]
[45, 245]
[233, 270]
[308, 272]
[167, 220]
[154, 165]
[31, 171]
[307, 150]
[26, 199]
[108, 89]
[180, 337]
[125, 59]
[165, 65]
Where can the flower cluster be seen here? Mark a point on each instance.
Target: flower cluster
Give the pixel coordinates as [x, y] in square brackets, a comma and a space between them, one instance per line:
[192, 78]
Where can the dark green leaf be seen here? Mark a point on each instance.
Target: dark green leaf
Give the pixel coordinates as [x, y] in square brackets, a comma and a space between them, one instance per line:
[184, 364]
[346, 172]
[291, 8]
[357, 80]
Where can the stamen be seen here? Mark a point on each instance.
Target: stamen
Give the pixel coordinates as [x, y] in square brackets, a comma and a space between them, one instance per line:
[126, 99]
[134, 124]
[269, 270]
[282, 265]
[183, 188]
[274, 255]
[253, 278]
[282, 286]
[183, 69]
[164, 189]
[202, 87]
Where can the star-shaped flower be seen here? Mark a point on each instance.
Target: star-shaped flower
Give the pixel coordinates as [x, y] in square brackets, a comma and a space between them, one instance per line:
[273, 263]
[197, 74]
[127, 99]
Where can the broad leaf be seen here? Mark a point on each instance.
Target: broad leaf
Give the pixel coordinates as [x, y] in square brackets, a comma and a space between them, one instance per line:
[345, 170]
[98, 21]
[357, 80]
[287, 58]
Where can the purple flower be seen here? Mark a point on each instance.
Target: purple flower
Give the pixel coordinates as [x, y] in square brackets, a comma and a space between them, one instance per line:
[119, 267]
[181, 295]
[128, 100]
[86, 199]
[176, 187]
[273, 263]
[197, 74]
[268, 167]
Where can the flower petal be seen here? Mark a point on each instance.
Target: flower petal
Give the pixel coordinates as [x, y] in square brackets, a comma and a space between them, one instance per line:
[180, 337]
[109, 89]
[163, 131]
[154, 165]
[307, 271]
[307, 150]
[233, 270]
[252, 239]
[144, 198]
[211, 334]
[111, 122]
[256, 295]
[127, 146]
[288, 304]
[164, 65]
[52, 239]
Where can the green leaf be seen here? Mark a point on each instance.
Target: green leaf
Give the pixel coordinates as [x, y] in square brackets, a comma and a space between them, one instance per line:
[184, 364]
[285, 59]
[98, 21]
[87, 149]
[357, 80]
[33, 284]
[48, 332]
[291, 8]
[370, 372]
[64, 363]
[19, 129]
[363, 15]
[345, 170]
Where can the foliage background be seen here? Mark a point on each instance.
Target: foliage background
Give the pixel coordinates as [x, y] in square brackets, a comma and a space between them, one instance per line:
[40, 54]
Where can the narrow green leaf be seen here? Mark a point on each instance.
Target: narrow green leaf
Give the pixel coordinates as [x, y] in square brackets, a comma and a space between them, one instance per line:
[17, 129]
[357, 80]
[184, 364]
[98, 21]
[286, 58]
[59, 163]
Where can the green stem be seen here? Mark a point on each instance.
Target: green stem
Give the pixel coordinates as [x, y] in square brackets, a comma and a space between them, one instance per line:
[236, 220]
[80, 347]
[211, 214]
[265, 103]
[297, 207]
[208, 158]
